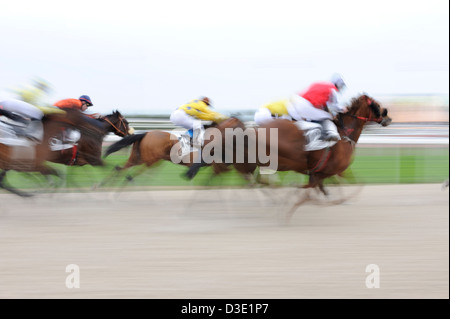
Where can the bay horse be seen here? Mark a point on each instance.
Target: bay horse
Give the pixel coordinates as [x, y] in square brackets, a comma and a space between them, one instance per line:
[320, 164]
[152, 147]
[88, 150]
[32, 157]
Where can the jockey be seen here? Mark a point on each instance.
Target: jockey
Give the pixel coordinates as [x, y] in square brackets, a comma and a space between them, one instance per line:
[190, 117]
[34, 94]
[319, 103]
[27, 118]
[81, 104]
[272, 111]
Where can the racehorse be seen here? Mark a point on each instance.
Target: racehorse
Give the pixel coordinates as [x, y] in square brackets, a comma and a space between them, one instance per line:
[152, 147]
[88, 150]
[335, 160]
[29, 156]
[319, 164]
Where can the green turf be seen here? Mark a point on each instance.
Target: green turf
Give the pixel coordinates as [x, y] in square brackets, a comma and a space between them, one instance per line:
[370, 166]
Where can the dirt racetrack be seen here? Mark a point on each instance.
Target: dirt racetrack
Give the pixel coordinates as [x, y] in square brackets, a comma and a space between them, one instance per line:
[225, 244]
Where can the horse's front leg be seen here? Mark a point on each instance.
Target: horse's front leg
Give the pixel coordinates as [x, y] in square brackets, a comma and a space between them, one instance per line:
[322, 188]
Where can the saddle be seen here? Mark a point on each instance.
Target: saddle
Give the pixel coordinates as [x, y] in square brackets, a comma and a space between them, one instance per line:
[313, 133]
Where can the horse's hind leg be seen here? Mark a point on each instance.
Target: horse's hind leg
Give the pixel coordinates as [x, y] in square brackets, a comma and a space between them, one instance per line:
[11, 189]
[133, 160]
[131, 176]
[48, 172]
[115, 173]
[138, 171]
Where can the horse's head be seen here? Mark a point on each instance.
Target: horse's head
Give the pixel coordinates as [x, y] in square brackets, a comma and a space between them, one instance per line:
[367, 109]
[118, 124]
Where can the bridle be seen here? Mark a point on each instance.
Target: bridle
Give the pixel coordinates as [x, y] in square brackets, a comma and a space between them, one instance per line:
[366, 119]
[121, 124]
[371, 118]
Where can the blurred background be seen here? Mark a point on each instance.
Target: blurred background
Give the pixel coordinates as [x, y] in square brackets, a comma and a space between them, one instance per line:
[147, 58]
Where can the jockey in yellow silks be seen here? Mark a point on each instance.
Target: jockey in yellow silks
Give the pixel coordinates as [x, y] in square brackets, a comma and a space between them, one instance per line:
[191, 115]
[271, 111]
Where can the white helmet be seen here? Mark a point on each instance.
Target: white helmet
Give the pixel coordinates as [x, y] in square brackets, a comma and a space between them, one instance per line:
[337, 80]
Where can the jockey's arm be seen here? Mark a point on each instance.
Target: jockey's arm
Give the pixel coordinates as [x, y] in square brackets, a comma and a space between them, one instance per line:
[94, 115]
[334, 105]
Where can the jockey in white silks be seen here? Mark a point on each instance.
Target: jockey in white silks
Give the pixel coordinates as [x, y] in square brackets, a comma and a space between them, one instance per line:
[319, 103]
[30, 125]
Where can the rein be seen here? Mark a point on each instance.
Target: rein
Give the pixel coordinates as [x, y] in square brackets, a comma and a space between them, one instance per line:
[366, 119]
[117, 129]
[348, 131]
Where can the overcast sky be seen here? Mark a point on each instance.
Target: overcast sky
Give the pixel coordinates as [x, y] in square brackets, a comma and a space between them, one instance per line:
[152, 56]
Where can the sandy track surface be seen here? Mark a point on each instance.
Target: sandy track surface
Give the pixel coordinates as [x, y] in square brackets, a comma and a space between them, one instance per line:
[225, 244]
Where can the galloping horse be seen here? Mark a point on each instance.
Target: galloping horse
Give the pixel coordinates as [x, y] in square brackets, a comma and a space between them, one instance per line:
[153, 146]
[335, 160]
[319, 164]
[88, 150]
[31, 157]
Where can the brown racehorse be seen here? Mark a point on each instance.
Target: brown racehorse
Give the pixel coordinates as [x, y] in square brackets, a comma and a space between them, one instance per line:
[335, 160]
[32, 158]
[154, 146]
[320, 164]
[88, 150]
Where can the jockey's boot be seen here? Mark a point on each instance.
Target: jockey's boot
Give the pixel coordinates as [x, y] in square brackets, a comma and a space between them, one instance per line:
[71, 136]
[197, 139]
[330, 132]
[35, 131]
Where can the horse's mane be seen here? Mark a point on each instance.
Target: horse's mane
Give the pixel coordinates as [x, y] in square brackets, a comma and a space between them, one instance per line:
[114, 113]
[357, 102]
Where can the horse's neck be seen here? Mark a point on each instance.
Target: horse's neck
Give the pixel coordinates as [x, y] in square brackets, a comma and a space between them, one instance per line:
[106, 128]
[110, 127]
[352, 128]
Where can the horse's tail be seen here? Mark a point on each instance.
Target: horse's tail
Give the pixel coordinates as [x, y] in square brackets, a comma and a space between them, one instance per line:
[127, 140]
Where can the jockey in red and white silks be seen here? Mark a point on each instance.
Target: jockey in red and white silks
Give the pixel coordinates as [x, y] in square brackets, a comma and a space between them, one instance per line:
[319, 103]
